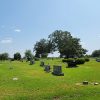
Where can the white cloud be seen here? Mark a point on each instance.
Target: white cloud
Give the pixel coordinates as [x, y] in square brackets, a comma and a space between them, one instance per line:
[6, 41]
[17, 30]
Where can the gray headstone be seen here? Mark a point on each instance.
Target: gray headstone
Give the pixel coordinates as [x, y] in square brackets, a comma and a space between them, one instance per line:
[32, 62]
[85, 82]
[57, 70]
[42, 63]
[98, 59]
[47, 68]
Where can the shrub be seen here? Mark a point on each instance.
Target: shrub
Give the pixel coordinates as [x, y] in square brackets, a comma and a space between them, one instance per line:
[64, 60]
[80, 61]
[74, 62]
[87, 59]
[11, 59]
[71, 62]
[68, 60]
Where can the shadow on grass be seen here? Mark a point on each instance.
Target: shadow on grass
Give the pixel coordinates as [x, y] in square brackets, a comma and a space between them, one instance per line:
[72, 66]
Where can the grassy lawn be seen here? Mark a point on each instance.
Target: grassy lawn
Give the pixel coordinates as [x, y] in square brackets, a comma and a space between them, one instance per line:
[35, 84]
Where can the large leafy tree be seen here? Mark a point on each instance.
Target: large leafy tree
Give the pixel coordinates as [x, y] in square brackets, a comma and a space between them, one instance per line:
[96, 53]
[28, 55]
[67, 46]
[17, 56]
[41, 48]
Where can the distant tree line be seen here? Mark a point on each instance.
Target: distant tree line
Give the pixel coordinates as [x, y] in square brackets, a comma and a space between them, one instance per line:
[17, 56]
[61, 41]
[28, 56]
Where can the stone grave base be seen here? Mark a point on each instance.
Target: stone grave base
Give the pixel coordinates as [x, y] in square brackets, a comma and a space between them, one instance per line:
[60, 74]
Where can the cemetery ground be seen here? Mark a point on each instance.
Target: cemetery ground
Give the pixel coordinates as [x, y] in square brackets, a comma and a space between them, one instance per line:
[22, 81]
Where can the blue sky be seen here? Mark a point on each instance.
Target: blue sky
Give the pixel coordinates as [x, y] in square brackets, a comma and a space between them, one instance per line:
[23, 22]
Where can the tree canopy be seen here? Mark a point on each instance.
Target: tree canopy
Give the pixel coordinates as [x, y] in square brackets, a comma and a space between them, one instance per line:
[96, 53]
[67, 46]
[61, 41]
[28, 55]
[4, 56]
[41, 48]
[17, 56]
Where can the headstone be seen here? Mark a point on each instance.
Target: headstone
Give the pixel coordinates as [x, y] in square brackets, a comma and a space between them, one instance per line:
[98, 59]
[15, 79]
[85, 82]
[57, 70]
[96, 83]
[32, 62]
[42, 63]
[47, 68]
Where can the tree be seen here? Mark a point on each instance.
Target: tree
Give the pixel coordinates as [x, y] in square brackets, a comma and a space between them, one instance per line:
[4, 56]
[28, 55]
[67, 46]
[41, 48]
[96, 53]
[17, 56]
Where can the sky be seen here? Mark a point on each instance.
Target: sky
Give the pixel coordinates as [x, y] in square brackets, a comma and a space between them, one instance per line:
[23, 22]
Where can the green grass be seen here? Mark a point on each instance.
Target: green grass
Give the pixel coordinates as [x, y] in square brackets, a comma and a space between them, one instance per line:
[35, 84]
